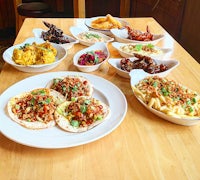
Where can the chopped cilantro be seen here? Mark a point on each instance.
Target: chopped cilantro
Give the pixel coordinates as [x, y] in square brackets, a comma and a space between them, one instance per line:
[151, 46]
[74, 123]
[83, 108]
[138, 47]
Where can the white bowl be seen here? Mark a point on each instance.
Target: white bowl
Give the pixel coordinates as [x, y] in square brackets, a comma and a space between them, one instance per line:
[97, 46]
[88, 22]
[138, 75]
[61, 54]
[121, 35]
[76, 31]
[115, 62]
[162, 52]
[37, 33]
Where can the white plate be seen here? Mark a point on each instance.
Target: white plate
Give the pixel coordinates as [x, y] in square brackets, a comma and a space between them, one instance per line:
[61, 54]
[136, 76]
[55, 137]
[88, 22]
[37, 33]
[97, 46]
[162, 52]
[76, 31]
[121, 35]
[115, 62]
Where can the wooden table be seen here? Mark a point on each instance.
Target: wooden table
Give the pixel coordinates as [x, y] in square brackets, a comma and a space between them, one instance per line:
[144, 146]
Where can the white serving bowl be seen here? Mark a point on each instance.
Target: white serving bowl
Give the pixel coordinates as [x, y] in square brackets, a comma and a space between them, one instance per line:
[61, 54]
[115, 62]
[97, 46]
[121, 35]
[37, 33]
[162, 52]
[76, 31]
[88, 22]
[136, 76]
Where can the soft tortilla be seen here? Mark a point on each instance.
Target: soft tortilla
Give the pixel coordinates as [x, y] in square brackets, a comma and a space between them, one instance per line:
[81, 78]
[64, 123]
[58, 98]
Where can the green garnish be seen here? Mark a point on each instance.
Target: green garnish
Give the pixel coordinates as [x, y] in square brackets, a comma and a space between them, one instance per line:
[89, 36]
[64, 88]
[29, 120]
[73, 99]
[17, 106]
[138, 47]
[24, 46]
[164, 92]
[191, 109]
[194, 100]
[40, 92]
[83, 108]
[151, 46]
[188, 102]
[87, 101]
[32, 101]
[56, 81]
[74, 89]
[96, 60]
[155, 84]
[48, 100]
[99, 117]
[74, 123]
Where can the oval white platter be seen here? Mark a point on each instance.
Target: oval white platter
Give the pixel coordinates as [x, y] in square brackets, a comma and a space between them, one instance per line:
[53, 138]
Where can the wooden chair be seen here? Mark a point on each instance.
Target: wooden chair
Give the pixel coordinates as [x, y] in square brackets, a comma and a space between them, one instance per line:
[79, 8]
[29, 9]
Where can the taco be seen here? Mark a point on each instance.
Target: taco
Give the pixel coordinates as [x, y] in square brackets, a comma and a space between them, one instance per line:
[81, 114]
[35, 109]
[71, 86]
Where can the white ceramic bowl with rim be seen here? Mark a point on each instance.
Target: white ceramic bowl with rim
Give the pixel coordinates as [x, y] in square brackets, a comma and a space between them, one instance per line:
[37, 33]
[115, 62]
[136, 76]
[121, 35]
[97, 46]
[88, 22]
[76, 31]
[61, 55]
[161, 52]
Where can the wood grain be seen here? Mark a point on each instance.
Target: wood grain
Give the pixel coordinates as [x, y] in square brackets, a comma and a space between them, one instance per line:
[144, 146]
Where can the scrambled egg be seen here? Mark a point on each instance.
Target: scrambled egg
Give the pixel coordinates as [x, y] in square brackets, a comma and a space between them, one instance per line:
[34, 54]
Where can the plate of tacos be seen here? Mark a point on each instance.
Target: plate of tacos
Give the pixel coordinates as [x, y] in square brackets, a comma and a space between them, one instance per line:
[63, 109]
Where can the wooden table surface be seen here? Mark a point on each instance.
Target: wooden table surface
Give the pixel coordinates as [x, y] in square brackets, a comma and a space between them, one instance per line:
[144, 146]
